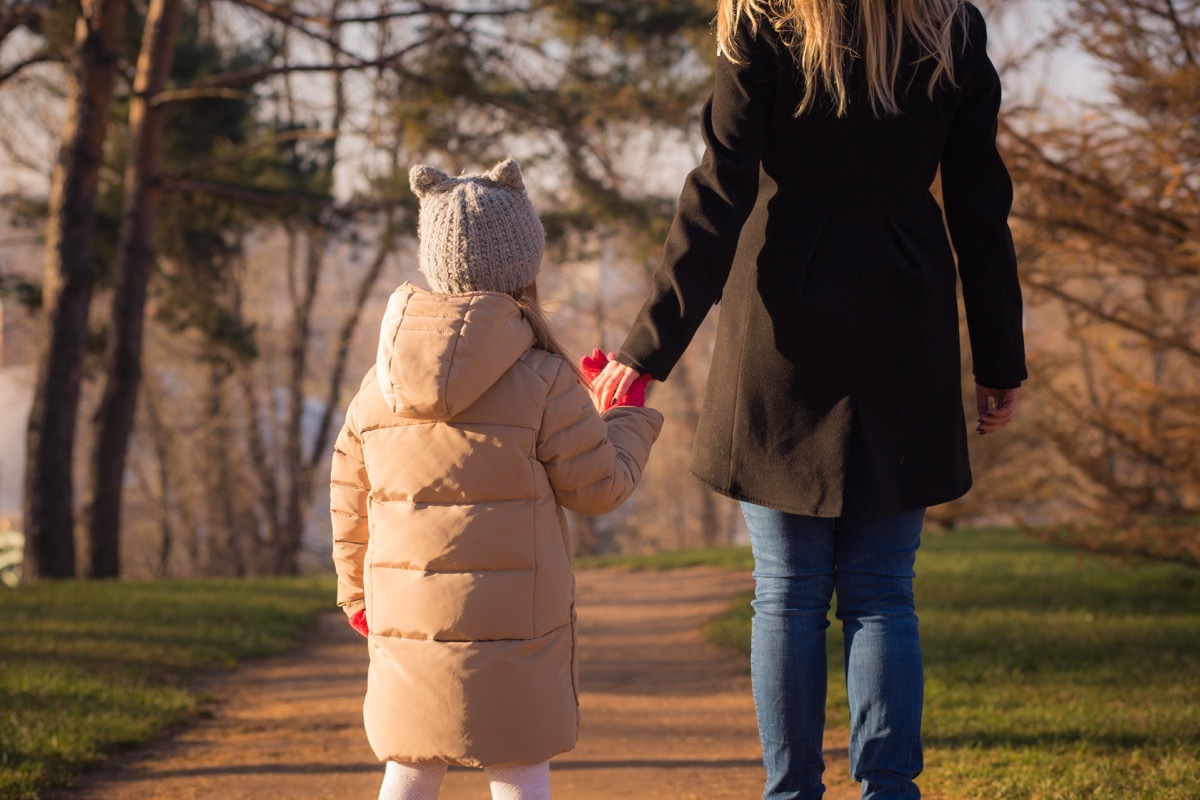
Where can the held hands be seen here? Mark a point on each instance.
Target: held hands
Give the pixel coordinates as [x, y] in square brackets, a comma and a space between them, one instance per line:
[358, 621]
[614, 384]
[995, 407]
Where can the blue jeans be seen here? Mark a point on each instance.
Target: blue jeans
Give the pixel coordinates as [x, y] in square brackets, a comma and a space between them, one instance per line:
[799, 564]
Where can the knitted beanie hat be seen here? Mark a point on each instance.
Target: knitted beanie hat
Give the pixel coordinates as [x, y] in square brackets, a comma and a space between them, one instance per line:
[477, 232]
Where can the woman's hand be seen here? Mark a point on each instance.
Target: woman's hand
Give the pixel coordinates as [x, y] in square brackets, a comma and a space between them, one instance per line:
[995, 407]
[613, 382]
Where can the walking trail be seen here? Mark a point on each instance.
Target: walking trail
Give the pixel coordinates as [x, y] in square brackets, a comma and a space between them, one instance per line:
[666, 716]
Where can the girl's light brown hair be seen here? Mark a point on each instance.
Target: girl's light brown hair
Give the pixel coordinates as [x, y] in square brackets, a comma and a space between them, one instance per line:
[544, 337]
[825, 35]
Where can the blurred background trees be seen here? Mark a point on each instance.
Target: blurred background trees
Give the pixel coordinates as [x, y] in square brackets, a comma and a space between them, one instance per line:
[1109, 219]
[205, 205]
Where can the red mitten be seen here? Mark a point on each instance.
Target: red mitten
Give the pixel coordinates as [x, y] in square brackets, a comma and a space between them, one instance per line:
[591, 366]
[358, 621]
[636, 396]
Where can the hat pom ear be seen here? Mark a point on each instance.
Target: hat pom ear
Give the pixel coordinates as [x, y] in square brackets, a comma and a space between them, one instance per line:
[424, 180]
[507, 173]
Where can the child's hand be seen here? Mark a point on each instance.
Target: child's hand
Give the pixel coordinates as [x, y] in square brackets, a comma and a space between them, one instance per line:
[593, 365]
[358, 621]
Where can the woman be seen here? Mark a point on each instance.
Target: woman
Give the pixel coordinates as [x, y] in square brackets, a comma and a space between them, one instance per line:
[833, 409]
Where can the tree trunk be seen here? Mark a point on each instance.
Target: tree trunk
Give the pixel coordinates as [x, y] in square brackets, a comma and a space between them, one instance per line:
[233, 533]
[299, 475]
[346, 332]
[262, 466]
[67, 294]
[160, 440]
[135, 262]
[300, 467]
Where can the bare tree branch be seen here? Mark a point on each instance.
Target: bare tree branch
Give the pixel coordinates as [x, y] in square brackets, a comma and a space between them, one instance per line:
[287, 14]
[42, 57]
[23, 15]
[1183, 32]
[241, 153]
[188, 95]
[246, 194]
[1093, 309]
[366, 285]
[249, 77]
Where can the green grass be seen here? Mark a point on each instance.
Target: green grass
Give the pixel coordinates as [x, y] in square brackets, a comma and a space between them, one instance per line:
[1049, 675]
[87, 669]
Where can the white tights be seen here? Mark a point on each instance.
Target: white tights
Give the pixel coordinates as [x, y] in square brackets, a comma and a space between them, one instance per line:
[408, 781]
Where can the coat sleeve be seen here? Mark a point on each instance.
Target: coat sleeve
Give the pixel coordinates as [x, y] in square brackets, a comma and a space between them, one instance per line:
[348, 490]
[594, 463]
[716, 200]
[978, 193]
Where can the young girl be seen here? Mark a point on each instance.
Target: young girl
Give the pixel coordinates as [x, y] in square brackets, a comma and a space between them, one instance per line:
[459, 452]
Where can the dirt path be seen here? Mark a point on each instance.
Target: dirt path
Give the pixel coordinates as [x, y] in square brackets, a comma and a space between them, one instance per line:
[665, 715]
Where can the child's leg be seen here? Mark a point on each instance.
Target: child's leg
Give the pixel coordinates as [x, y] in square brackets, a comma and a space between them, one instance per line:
[520, 783]
[406, 781]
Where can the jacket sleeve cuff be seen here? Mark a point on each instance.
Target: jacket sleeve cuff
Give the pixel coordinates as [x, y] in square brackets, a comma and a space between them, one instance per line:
[999, 385]
[353, 607]
[630, 361]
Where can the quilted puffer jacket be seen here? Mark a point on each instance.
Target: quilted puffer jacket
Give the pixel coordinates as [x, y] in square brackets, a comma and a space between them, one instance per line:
[457, 456]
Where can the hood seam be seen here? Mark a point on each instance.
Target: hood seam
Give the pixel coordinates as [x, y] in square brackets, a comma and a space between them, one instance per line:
[393, 399]
[444, 388]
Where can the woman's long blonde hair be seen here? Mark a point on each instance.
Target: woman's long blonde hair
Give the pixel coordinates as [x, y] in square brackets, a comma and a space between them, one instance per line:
[824, 35]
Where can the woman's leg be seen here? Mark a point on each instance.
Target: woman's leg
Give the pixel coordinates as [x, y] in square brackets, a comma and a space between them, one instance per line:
[520, 782]
[408, 781]
[793, 575]
[884, 675]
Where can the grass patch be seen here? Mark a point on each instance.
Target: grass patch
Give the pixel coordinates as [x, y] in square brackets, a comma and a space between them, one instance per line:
[90, 668]
[1050, 675]
[727, 557]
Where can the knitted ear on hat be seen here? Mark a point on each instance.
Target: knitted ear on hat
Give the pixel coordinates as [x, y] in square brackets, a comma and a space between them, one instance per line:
[425, 180]
[507, 173]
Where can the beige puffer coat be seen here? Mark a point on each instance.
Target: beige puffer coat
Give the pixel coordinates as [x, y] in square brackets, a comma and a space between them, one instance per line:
[448, 477]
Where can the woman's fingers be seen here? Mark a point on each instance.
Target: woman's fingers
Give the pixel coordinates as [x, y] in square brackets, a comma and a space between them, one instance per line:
[602, 385]
[612, 383]
[995, 407]
[990, 424]
[628, 376]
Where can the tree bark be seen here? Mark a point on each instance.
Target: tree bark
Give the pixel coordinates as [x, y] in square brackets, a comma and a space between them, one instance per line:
[346, 337]
[225, 521]
[135, 262]
[160, 440]
[299, 476]
[67, 295]
[300, 466]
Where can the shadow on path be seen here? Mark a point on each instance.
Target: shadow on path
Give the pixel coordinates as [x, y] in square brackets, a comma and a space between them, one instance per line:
[665, 715]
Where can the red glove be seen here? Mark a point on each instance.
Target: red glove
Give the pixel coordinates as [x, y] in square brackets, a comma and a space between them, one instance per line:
[591, 366]
[636, 396]
[358, 621]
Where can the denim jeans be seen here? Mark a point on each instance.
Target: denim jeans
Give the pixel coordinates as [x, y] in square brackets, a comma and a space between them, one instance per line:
[799, 564]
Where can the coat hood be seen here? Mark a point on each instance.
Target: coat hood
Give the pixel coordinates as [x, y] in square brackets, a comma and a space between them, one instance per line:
[438, 353]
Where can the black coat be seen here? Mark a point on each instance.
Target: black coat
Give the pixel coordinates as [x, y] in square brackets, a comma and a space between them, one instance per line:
[835, 386]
